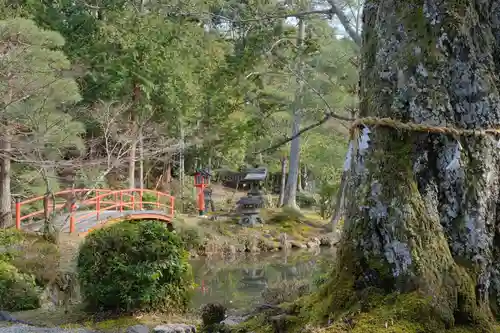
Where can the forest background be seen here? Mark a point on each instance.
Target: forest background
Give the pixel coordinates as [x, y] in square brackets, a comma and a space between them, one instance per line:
[135, 93]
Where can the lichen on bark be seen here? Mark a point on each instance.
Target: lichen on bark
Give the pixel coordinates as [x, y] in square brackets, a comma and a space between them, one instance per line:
[421, 207]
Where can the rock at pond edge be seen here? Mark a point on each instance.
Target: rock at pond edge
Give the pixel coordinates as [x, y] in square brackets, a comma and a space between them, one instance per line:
[137, 329]
[175, 328]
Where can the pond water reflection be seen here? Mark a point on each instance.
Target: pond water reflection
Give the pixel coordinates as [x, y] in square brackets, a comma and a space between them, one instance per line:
[237, 282]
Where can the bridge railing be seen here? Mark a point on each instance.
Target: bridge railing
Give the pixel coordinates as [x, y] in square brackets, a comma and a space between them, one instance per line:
[96, 202]
[55, 202]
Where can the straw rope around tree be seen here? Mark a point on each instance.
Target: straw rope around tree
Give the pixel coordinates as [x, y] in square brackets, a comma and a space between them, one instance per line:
[370, 123]
[414, 127]
[356, 124]
[367, 122]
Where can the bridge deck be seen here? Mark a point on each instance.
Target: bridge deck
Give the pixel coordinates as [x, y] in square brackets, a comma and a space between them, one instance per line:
[88, 219]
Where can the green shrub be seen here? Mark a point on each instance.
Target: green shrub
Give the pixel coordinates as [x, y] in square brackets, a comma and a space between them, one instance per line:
[10, 243]
[212, 313]
[151, 200]
[17, 291]
[186, 205]
[30, 254]
[327, 194]
[191, 237]
[134, 266]
[306, 200]
[39, 259]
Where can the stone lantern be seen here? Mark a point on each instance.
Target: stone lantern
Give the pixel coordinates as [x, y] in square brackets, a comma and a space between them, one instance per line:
[249, 206]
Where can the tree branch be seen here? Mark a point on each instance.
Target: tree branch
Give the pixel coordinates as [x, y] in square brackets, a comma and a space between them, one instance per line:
[328, 115]
[345, 22]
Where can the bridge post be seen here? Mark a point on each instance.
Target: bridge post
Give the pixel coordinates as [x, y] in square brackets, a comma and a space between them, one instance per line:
[157, 200]
[18, 214]
[121, 201]
[72, 219]
[132, 199]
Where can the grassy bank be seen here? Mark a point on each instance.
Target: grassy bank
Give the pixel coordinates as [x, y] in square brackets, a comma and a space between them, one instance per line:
[282, 228]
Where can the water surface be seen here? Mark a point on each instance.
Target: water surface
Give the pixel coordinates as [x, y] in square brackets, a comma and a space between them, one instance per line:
[237, 282]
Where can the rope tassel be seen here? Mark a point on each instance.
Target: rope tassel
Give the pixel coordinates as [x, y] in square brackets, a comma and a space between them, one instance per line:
[348, 157]
[365, 139]
[455, 161]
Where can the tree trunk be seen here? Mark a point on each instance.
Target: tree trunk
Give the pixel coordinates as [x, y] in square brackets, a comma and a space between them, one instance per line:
[303, 178]
[181, 160]
[421, 207]
[293, 168]
[283, 182]
[141, 160]
[131, 164]
[168, 176]
[5, 195]
[136, 136]
[299, 180]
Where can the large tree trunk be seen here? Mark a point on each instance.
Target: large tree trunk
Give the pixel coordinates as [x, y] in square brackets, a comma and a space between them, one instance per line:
[5, 195]
[422, 207]
[294, 164]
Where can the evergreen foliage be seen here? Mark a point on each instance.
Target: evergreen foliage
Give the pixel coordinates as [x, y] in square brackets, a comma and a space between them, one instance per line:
[134, 266]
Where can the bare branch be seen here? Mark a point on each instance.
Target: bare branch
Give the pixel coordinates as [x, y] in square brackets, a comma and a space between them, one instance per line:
[345, 22]
[327, 117]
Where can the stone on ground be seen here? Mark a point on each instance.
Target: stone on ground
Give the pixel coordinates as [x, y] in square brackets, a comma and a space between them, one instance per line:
[138, 329]
[175, 328]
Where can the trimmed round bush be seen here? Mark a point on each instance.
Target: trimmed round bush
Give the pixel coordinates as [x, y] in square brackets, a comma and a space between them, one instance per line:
[17, 291]
[134, 266]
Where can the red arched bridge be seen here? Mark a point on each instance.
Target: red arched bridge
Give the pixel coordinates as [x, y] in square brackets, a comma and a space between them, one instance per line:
[83, 210]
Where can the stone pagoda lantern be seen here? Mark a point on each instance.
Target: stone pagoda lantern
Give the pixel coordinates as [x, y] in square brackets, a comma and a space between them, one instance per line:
[249, 206]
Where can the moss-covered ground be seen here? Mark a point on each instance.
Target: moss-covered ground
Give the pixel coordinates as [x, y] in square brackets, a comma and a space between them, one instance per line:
[342, 305]
[409, 313]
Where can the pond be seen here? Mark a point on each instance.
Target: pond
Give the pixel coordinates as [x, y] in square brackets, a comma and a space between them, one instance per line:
[237, 282]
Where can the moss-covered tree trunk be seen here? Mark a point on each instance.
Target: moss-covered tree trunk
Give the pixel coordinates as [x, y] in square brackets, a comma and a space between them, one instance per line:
[421, 207]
